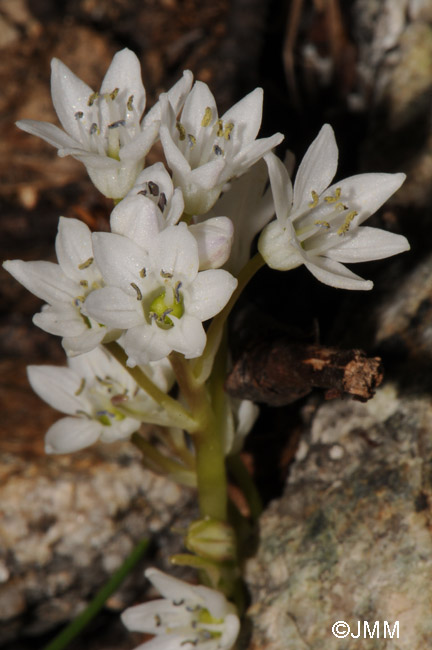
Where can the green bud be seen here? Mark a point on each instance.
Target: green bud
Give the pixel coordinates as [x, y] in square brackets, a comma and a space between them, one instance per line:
[212, 539]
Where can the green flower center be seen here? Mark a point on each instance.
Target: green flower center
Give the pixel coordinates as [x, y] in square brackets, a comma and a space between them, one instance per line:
[162, 307]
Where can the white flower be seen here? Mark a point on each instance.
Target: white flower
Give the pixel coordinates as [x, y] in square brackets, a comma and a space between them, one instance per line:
[155, 292]
[187, 616]
[240, 418]
[65, 287]
[318, 226]
[101, 399]
[205, 151]
[104, 129]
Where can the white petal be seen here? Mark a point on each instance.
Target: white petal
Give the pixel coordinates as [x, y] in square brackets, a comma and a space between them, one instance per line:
[71, 434]
[121, 430]
[73, 248]
[112, 307]
[69, 95]
[199, 99]
[278, 246]
[369, 244]
[145, 343]
[230, 633]
[141, 144]
[317, 168]
[209, 175]
[86, 342]
[246, 116]
[175, 96]
[281, 187]
[157, 174]
[187, 336]
[143, 618]
[138, 218]
[119, 258]
[175, 159]
[125, 73]
[45, 279]
[365, 193]
[214, 238]
[58, 387]
[209, 293]
[60, 319]
[48, 132]
[176, 251]
[253, 152]
[336, 275]
[172, 588]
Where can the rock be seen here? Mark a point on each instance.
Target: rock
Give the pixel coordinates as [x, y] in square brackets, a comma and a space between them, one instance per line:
[350, 538]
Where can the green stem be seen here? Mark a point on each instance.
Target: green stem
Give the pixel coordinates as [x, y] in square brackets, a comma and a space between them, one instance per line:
[202, 367]
[179, 416]
[82, 620]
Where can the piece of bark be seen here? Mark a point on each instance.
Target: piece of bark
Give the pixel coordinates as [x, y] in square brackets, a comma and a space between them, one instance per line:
[280, 372]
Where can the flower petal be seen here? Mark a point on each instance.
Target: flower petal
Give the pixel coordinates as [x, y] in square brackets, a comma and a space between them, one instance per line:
[48, 132]
[198, 100]
[187, 336]
[69, 95]
[119, 258]
[175, 251]
[45, 279]
[71, 434]
[246, 115]
[138, 218]
[209, 293]
[336, 275]
[58, 387]
[124, 73]
[317, 168]
[281, 187]
[112, 307]
[368, 244]
[74, 249]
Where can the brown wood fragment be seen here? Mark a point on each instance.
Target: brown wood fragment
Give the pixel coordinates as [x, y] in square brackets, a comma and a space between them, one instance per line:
[280, 372]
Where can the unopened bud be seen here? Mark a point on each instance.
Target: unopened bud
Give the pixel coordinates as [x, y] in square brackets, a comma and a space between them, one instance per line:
[211, 539]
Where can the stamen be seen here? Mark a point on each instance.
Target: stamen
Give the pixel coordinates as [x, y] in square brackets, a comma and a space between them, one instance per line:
[114, 94]
[81, 412]
[336, 197]
[322, 223]
[153, 188]
[84, 283]
[192, 140]
[93, 97]
[137, 289]
[86, 264]
[177, 292]
[129, 104]
[115, 125]
[315, 199]
[193, 642]
[104, 382]
[80, 388]
[158, 620]
[177, 603]
[218, 151]
[143, 192]
[162, 201]
[207, 117]
[78, 115]
[219, 131]
[182, 131]
[165, 274]
[162, 318]
[143, 272]
[346, 224]
[227, 131]
[94, 129]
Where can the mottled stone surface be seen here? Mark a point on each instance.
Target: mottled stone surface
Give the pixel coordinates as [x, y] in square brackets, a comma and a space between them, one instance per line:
[350, 539]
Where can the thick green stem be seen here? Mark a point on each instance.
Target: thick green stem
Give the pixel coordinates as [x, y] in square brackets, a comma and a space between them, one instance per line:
[179, 416]
[82, 620]
[164, 465]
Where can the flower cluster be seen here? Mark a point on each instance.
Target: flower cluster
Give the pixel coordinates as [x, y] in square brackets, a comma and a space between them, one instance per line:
[142, 309]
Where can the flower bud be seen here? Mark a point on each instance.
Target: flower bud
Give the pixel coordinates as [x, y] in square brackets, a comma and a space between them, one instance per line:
[214, 238]
[211, 539]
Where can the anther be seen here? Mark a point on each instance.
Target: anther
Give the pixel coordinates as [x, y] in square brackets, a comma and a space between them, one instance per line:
[153, 188]
[162, 319]
[93, 97]
[182, 131]
[346, 224]
[115, 125]
[143, 272]
[207, 117]
[227, 130]
[136, 288]
[84, 283]
[218, 151]
[165, 274]
[177, 292]
[78, 115]
[143, 192]
[80, 388]
[333, 199]
[162, 201]
[114, 94]
[219, 131]
[191, 140]
[86, 264]
[315, 199]
[129, 104]
[158, 620]
[322, 223]
[177, 603]
[94, 129]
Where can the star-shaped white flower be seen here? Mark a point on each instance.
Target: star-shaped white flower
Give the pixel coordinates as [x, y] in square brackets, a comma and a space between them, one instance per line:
[101, 400]
[186, 616]
[205, 151]
[156, 293]
[319, 226]
[105, 129]
[65, 287]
